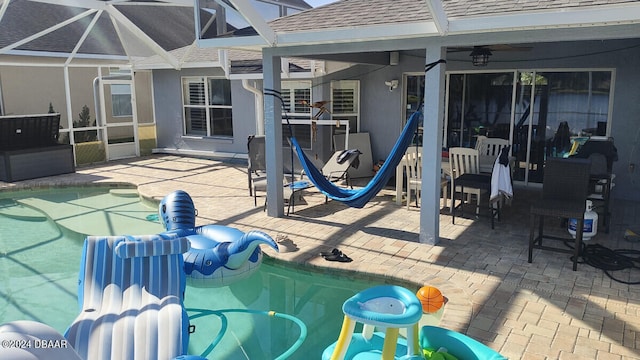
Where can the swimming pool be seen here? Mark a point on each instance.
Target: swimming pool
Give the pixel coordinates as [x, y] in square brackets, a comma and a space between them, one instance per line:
[41, 237]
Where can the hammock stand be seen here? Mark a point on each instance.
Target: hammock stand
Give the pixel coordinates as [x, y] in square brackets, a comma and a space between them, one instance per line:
[356, 198]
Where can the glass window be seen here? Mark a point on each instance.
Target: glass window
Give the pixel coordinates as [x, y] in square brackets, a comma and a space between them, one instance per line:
[196, 121]
[219, 92]
[579, 100]
[220, 121]
[267, 10]
[345, 102]
[194, 93]
[297, 97]
[207, 107]
[291, 11]
[479, 104]
[121, 100]
[344, 106]
[414, 95]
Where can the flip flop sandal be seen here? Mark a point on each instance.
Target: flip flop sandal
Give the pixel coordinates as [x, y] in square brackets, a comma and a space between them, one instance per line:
[334, 252]
[339, 257]
[286, 242]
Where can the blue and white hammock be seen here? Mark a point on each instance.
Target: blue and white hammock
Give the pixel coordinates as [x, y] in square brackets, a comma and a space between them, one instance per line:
[357, 198]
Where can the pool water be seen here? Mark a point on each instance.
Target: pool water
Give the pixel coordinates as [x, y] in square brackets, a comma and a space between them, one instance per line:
[316, 300]
[41, 238]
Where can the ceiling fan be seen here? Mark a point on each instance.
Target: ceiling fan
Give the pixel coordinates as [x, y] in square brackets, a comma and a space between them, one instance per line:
[480, 53]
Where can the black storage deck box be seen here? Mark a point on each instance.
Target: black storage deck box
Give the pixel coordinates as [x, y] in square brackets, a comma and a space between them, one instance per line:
[29, 148]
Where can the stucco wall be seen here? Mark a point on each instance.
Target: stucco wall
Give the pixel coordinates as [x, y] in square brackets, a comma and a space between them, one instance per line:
[144, 100]
[169, 116]
[379, 105]
[381, 110]
[626, 125]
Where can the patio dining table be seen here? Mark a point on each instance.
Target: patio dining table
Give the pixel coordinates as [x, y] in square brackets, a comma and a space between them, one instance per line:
[486, 166]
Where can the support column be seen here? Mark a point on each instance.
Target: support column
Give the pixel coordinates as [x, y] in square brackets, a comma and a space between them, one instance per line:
[432, 146]
[273, 133]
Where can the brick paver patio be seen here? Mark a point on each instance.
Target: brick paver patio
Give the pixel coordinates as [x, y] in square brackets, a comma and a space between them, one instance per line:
[542, 310]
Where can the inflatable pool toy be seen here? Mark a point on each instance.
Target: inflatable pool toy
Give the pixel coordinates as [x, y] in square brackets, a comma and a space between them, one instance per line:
[130, 297]
[452, 345]
[433, 302]
[131, 290]
[387, 306]
[219, 255]
[431, 299]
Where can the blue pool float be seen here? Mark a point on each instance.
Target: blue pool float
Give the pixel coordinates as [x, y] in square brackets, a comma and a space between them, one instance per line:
[219, 255]
[386, 306]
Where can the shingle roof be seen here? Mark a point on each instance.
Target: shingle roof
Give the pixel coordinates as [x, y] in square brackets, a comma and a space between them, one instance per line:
[457, 8]
[349, 13]
[353, 13]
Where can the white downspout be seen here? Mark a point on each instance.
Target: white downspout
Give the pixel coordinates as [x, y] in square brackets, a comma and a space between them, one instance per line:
[259, 103]
[96, 100]
[67, 97]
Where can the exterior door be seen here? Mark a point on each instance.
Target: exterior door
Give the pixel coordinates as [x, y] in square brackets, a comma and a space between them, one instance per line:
[544, 113]
[119, 121]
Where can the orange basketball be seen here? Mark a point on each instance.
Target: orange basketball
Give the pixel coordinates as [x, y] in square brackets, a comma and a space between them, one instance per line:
[431, 299]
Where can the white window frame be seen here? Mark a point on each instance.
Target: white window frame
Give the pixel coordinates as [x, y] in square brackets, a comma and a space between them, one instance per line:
[296, 117]
[206, 106]
[335, 113]
[121, 89]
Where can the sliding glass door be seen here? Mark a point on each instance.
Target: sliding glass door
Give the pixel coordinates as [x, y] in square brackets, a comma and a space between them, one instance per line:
[478, 105]
[542, 113]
